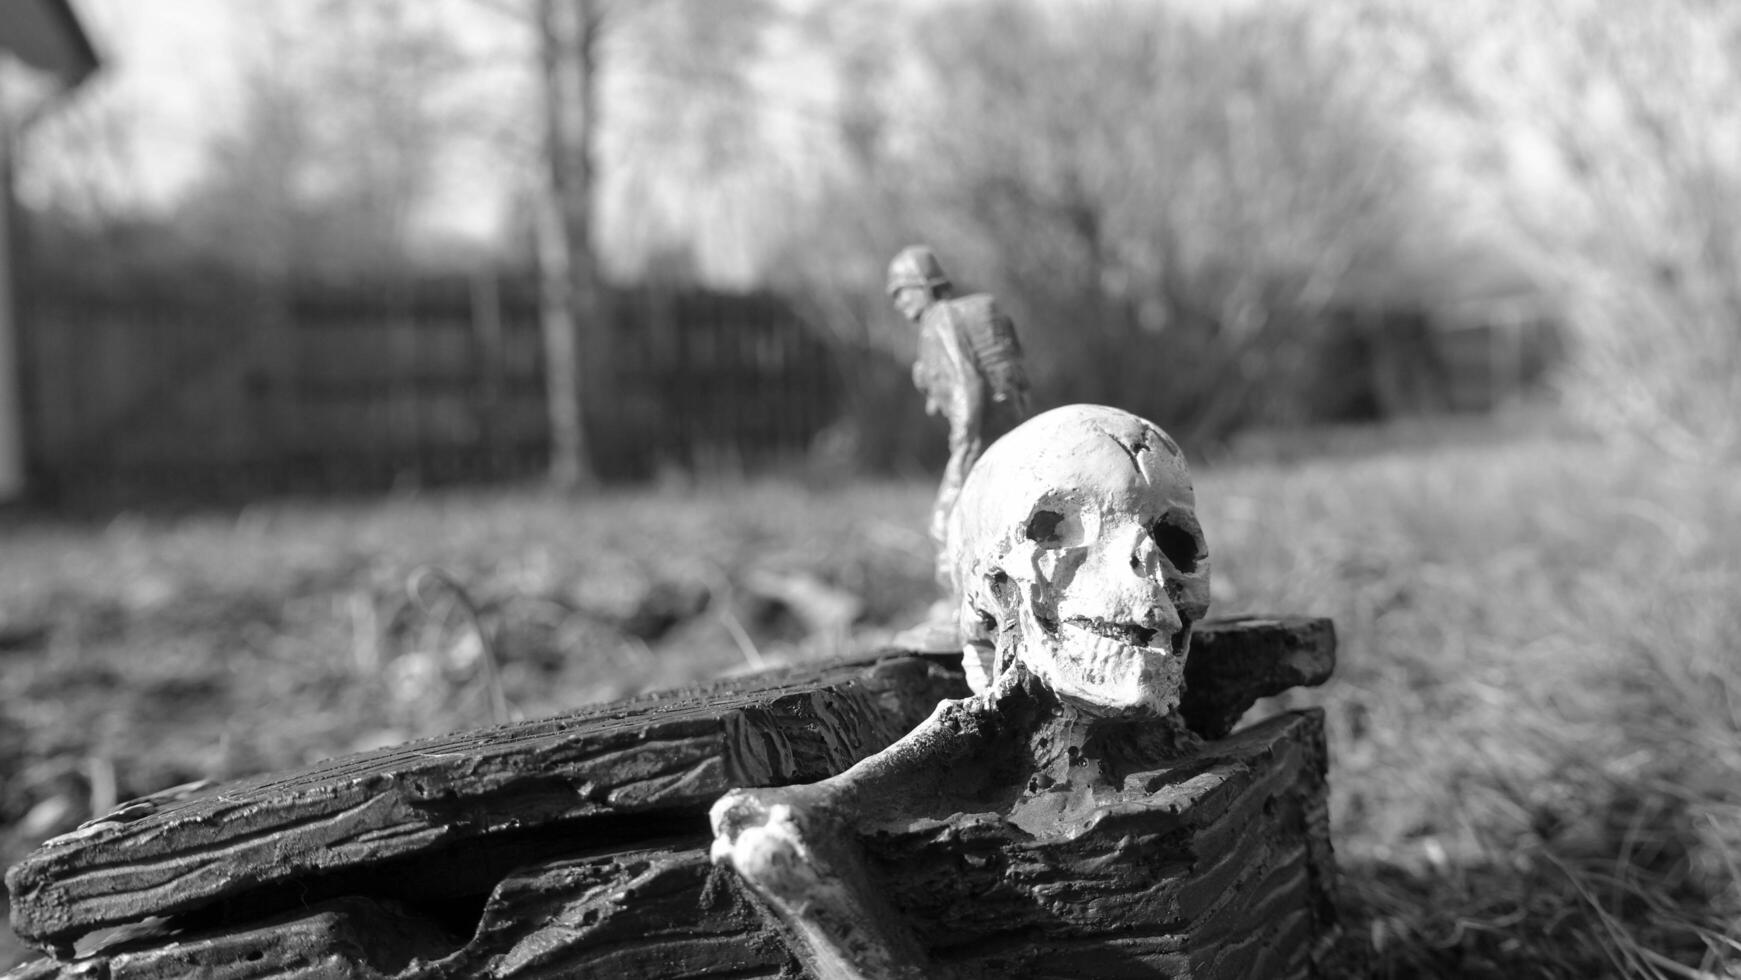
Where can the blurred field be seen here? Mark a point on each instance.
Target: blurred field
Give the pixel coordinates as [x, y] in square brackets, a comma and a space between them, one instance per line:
[1536, 722]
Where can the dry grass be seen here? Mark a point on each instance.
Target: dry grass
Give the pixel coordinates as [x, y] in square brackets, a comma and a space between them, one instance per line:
[1536, 720]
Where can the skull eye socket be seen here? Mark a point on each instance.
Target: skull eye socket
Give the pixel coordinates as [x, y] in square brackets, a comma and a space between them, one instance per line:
[1043, 526]
[1176, 536]
[1054, 527]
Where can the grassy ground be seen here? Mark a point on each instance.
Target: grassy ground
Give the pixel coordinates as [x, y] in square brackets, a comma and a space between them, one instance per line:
[1536, 722]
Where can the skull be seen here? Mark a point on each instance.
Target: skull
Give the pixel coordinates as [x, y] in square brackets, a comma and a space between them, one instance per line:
[1076, 552]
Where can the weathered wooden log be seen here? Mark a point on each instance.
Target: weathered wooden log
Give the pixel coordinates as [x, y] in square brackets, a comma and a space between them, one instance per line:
[577, 846]
[1236, 661]
[635, 914]
[631, 761]
[1224, 872]
[1215, 865]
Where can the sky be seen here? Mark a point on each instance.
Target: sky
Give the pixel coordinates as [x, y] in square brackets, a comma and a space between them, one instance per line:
[170, 64]
[172, 67]
[138, 134]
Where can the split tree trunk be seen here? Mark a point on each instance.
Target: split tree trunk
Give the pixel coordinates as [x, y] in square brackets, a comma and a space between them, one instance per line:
[571, 291]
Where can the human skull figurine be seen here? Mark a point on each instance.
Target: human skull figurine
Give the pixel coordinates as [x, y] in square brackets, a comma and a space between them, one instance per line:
[1076, 552]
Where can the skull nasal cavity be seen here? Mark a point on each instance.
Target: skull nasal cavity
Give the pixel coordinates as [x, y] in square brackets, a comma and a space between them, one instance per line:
[1043, 526]
[1176, 542]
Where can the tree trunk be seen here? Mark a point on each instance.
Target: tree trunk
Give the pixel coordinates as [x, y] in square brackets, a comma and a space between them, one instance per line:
[568, 267]
[13, 456]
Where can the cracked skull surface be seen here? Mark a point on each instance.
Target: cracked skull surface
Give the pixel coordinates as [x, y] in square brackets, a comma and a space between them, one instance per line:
[1076, 552]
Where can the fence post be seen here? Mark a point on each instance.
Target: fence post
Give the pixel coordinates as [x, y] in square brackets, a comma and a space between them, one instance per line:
[486, 320]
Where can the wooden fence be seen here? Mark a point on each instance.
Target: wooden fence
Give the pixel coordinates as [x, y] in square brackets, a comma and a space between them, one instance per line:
[231, 391]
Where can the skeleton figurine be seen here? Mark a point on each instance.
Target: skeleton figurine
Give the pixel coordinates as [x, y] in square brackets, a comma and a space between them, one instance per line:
[969, 369]
[1080, 567]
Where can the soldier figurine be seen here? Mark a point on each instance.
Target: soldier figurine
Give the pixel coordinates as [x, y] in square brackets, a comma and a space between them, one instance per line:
[969, 365]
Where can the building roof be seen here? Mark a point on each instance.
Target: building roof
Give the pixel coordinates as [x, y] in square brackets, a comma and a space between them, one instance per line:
[46, 35]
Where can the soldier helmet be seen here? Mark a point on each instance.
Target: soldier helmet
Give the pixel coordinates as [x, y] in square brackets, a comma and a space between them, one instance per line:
[916, 265]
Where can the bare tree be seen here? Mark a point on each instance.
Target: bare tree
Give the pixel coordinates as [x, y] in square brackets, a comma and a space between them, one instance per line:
[339, 139]
[571, 38]
[571, 290]
[1144, 187]
[1602, 138]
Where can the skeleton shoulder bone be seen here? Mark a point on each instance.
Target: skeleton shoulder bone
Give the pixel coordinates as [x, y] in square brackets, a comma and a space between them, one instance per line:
[1081, 567]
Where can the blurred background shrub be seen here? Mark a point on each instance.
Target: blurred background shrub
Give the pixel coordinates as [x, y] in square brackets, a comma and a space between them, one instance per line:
[1226, 217]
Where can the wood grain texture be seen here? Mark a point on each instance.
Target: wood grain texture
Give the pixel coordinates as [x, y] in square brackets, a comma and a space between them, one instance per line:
[577, 846]
[1234, 662]
[1218, 866]
[663, 753]
[625, 914]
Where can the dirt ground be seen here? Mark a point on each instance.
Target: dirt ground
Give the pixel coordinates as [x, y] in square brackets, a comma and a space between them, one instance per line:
[144, 653]
[1535, 738]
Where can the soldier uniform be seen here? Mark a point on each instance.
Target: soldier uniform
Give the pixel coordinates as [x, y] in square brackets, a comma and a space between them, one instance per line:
[969, 367]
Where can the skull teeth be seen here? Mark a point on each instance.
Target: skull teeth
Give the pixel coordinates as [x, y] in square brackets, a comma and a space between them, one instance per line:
[1105, 672]
[1129, 634]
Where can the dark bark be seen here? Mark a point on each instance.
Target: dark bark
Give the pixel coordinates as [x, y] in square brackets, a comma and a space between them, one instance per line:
[595, 774]
[1234, 662]
[578, 845]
